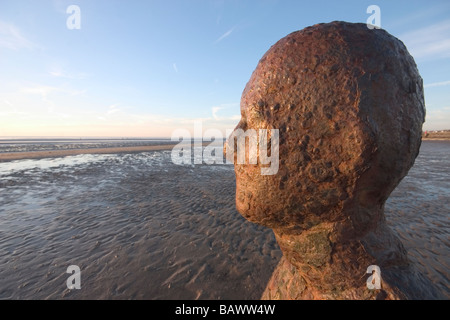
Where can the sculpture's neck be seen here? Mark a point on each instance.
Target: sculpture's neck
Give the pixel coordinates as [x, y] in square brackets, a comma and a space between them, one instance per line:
[334, 265]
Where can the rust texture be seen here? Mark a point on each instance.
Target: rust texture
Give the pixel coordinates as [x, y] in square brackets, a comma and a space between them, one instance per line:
[349, 106]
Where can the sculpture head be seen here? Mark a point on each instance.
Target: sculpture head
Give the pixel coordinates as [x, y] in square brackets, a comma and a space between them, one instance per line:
[348, 103]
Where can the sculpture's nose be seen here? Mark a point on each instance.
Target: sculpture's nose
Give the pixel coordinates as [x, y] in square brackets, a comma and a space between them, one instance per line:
[230, 147]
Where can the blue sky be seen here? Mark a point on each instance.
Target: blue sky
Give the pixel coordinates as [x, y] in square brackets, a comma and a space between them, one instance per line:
[146, 68]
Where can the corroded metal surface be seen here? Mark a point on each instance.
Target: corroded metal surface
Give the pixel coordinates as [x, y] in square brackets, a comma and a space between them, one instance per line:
[349, 106]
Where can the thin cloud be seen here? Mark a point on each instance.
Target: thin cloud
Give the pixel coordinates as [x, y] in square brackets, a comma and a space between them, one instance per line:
[216, 109]
[437, 84]
[57, 74]
[175, 67]
[429, 13]
[8, 103]
[113, 109]
[42, 90]
[437, 119]
[11, 38]
[61, 74]
[46, 91]
[225, 35]
[214, 112]
[429, 42]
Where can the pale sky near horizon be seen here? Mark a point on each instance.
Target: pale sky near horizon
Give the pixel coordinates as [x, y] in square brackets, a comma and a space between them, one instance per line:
[146, 68]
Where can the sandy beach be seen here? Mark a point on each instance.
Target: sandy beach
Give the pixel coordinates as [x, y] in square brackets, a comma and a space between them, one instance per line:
[141, 227]
[440, 136]
[138, 226]
[10, 156]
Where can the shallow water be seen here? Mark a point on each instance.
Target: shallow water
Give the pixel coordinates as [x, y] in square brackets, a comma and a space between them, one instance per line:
[140, 227]
[21, 145]
[419, 211]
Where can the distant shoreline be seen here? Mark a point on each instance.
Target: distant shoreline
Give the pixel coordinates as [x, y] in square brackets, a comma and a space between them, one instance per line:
[441, 135]
[436, 139]
[11, 156]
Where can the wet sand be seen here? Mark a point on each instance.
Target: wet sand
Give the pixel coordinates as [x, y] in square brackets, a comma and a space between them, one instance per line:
[141, 227]
[138, 226]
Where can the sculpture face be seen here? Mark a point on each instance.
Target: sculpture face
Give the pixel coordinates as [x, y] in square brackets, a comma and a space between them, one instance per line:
[349, 125]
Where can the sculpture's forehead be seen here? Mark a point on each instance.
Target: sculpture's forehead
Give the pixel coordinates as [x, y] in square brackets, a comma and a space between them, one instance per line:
[300, 63]
[282, 70]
